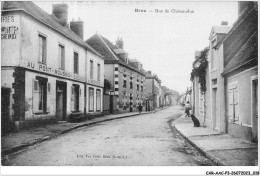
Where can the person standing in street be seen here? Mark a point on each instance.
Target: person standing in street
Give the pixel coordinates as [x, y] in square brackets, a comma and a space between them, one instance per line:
[140, 108]
[187, 109]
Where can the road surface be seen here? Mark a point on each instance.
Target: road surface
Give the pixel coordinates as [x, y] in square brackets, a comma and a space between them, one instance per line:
[145, 140]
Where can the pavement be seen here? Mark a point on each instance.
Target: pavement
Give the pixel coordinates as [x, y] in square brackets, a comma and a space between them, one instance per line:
[14, 142]
[222, 149]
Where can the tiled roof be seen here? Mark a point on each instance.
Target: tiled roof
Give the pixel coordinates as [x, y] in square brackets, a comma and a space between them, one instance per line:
[49, 20]
[107, 49]
[247, 54]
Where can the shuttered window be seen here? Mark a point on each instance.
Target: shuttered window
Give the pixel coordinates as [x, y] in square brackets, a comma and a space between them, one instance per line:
[233, 103]
[61, 57]
[91, 99]
[41, 95]
[74, 103]
[98, 72]
[42, 49]
[76, 63]
[98, 100]
[91, 69]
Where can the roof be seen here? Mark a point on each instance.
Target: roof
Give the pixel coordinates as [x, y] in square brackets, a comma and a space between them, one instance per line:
[219, 30]
[49, 20]
[246, 55]
[110, 52]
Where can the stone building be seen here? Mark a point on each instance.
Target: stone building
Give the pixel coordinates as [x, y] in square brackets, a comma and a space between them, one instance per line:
[126, 76]
[43, 64]
[152, 91]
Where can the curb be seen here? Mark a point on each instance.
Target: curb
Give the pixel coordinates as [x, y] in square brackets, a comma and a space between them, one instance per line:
[46, 138]
[214, 159]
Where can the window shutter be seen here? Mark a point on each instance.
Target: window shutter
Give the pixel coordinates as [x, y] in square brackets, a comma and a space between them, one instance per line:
[44, 50]
[72, 100]
[48, 97]
[80, 105]
[236, 108]
[230, 105]
[35, 96]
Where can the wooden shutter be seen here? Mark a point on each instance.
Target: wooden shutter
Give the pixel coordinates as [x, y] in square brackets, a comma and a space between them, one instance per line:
[91, 99]
[98, 100]
[48, 97]
[35, 96]
[72, 99]
[236, 108]
[230, 105]
[80, 102]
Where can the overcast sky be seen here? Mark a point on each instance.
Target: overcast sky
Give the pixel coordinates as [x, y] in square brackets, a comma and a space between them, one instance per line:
[164, 43]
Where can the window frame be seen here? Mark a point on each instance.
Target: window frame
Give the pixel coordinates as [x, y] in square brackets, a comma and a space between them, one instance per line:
[61, 59]
[77, 68]
[91, 69]
[42, 52]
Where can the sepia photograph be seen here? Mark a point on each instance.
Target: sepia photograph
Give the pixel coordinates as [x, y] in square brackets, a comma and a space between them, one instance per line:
[129, 83]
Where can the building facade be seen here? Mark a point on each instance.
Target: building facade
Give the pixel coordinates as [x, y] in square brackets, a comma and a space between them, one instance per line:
[126, 76]
[241, 73]
[153, 90]
[43, 64]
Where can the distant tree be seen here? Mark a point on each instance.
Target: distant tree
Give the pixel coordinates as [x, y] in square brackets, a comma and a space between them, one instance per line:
[107, 86]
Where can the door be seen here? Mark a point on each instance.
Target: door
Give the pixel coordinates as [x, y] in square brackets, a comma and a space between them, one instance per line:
[255, 109]
[5, 110]
[61, 101]
[131, 102]
[215, 110]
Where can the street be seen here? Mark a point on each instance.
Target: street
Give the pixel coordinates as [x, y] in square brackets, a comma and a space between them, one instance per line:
[145, 140]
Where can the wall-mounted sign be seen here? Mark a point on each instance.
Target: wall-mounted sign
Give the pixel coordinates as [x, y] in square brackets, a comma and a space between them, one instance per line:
[54, 71]
[10, 31]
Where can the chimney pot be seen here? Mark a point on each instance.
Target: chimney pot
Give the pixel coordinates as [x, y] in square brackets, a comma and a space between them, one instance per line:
[120, 43]
[224, 23]
[60, 11]
[78, 28]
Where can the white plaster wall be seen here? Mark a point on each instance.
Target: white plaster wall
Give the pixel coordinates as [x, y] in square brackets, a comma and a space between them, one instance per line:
[31, 30]
[10, 48]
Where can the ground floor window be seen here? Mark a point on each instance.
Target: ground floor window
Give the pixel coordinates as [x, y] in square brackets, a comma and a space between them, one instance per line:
[98, 100]
[75, 91]
[91, 99]
[41, 95]
[233, 111]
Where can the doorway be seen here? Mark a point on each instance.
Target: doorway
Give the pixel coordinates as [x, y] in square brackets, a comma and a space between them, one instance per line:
[215, 109]
[131, 102]
[61, 100]
[255, 109]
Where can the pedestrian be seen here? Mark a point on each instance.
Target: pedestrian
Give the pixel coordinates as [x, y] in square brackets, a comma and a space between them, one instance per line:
[187, 109]
[140, 108]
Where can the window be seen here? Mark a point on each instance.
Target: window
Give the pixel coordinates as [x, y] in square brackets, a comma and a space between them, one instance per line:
[233, 111]
[91, 99]
[76, 63]
[131, 85]
[61, 57]
[124, 84]
[142, 89]
[75, 93]
[98, 72]
[98, 100]
[41, 95]
[137, 87]
[42, 49]
[91, 69]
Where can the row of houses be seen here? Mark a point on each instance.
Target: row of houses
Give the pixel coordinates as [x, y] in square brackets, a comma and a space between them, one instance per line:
[49, 73]
[227, 101]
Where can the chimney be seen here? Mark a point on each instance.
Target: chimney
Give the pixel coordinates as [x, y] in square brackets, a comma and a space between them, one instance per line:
[197, 54]
[243, 5]
[149, 72]
[224, 23]
[77, 27]
[120, 43]
[60, 11]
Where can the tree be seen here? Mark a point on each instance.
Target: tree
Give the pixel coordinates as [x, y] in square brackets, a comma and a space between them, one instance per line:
[107, 86]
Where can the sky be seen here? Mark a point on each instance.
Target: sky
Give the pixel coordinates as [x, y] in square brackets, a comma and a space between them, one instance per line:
[165, 43]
